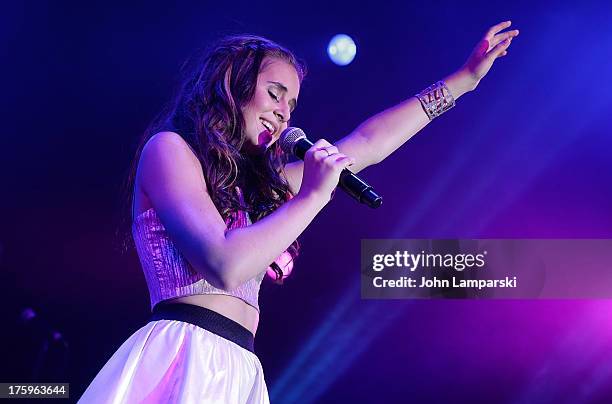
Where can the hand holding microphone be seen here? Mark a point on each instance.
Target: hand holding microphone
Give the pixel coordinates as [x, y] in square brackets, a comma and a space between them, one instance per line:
[325, 168]
[323, 164]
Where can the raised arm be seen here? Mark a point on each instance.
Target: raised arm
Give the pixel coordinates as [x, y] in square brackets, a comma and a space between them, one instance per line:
[382, 134]
[171, 177]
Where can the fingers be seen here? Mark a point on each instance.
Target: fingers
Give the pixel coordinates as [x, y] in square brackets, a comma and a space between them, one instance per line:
[496, 28]
[498, 50]
[337, 162]
[321, 149]
[321, 153]
[341, 161]
[329, 154]
[321, 143]
[329, 149]
[503, 36]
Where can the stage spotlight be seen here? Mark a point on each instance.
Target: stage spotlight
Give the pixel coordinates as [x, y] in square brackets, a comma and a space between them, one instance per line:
[342, 49]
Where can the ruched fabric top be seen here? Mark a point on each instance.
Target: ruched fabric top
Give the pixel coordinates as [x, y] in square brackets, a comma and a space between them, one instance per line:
[167, 272]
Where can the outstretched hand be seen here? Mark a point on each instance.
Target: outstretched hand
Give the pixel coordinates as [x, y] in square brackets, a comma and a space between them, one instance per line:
[493, 45]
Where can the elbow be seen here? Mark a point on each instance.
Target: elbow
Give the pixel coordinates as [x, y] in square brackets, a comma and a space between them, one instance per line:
[221, 275]
[225, 280]
[215, 265]
[233, 273]
[222, 267]
[219, 278]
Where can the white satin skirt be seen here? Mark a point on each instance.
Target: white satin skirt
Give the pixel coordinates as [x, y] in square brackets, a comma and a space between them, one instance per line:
[170, 361]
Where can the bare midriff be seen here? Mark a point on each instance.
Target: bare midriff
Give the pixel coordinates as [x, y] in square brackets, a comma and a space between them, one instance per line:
[228, 306]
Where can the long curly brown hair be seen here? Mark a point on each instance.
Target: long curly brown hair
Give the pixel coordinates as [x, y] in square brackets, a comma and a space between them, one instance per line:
[206, 111]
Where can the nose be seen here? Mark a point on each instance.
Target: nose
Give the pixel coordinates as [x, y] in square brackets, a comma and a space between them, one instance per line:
[282, 114]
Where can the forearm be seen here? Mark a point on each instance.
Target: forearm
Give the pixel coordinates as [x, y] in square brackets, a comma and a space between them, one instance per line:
[250, 250]
[382, 134]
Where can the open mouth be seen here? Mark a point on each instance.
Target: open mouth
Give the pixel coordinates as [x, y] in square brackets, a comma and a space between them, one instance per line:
[268, 126]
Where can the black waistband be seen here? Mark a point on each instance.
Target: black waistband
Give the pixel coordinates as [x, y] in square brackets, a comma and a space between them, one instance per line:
[207, 319]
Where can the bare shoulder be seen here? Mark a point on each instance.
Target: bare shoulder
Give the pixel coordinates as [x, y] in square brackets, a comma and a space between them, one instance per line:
[169, 173]
[169, 143]
[170, 153]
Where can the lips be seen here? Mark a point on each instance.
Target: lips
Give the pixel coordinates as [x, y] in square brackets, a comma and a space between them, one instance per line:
[269, 126]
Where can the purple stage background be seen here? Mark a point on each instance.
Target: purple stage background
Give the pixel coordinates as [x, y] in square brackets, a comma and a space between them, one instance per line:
[527, 155]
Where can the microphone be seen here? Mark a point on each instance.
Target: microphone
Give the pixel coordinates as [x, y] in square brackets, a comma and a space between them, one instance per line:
[294, 141]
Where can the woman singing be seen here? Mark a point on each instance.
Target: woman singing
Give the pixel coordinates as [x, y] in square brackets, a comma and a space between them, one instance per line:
[216, 206]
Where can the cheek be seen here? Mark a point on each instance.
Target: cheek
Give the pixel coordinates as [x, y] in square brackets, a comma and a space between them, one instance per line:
[262, 101]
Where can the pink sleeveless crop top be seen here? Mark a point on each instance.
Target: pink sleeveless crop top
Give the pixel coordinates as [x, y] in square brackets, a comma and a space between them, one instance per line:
[167, 272]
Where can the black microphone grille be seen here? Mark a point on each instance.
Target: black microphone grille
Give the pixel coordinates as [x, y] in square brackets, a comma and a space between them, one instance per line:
[289, 137]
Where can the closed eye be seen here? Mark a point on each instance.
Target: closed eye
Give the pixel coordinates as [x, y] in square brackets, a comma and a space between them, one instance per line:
[274, 96]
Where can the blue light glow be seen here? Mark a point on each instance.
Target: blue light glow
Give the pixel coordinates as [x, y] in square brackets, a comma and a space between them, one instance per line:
[342, 49]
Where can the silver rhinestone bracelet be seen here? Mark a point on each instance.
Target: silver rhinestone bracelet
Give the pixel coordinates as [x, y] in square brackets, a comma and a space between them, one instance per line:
[436, 99]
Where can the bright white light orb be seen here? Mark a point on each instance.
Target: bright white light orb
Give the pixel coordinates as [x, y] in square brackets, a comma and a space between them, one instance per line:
[342, 49]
